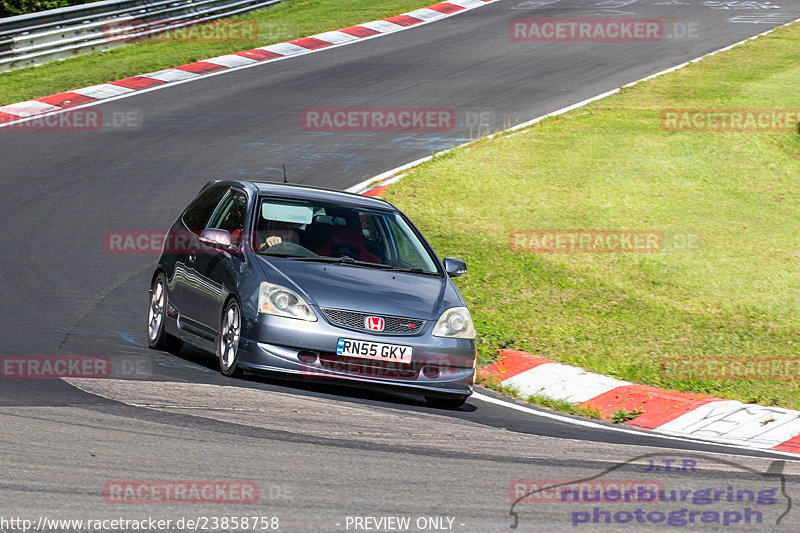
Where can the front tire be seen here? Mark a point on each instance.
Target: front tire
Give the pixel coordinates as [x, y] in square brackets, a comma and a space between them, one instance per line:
[228, 340]
[452, 402]
[157, 336]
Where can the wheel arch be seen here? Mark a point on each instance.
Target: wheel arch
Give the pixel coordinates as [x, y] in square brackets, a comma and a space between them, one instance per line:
[158, 270]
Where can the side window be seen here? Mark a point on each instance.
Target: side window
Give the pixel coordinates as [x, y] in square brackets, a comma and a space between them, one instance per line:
[409, 253]
[368, 227]
[198, 213]
[373, 236]
[230, 214]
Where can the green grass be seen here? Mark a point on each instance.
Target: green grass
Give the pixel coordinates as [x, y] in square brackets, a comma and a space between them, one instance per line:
[612, 166]
[622, 416]
[288, 20]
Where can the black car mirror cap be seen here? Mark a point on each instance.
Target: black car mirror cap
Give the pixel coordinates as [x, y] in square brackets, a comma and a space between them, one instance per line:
[454, 267]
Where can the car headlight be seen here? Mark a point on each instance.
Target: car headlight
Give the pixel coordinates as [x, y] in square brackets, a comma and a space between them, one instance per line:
[276, 300]
[455, 323]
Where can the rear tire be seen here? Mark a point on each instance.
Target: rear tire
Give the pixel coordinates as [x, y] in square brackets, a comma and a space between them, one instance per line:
[228, 340]
[452, 402]
[157, 336]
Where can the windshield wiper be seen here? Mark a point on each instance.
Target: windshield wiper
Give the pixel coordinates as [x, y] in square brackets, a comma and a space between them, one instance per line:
[326, 259]
[344, 260]
[413, 270]
[347, 260]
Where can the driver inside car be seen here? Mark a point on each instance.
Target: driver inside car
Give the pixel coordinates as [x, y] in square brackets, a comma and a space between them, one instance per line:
[277, 232]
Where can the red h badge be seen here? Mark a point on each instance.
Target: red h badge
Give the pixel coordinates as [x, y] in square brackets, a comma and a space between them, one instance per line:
[374, 323]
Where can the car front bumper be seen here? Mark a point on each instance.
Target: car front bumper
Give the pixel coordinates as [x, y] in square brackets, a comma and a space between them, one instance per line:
[439, 366]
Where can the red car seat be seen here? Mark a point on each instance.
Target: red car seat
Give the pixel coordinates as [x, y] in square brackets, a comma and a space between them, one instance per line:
[347, 240]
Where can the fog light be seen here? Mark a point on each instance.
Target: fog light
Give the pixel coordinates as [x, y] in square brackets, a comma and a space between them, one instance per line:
[307, 357]
[431, 371]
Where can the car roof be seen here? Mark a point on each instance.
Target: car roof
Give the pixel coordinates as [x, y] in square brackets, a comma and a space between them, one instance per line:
[290, 190]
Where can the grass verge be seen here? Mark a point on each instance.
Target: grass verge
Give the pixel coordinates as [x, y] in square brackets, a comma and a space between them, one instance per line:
[733, 295]
[288, 20]
[543, 401]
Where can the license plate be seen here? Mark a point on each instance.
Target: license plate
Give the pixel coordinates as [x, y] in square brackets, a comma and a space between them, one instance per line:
[374, 350]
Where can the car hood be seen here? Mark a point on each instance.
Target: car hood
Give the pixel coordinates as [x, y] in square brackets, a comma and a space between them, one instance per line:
[370, 290]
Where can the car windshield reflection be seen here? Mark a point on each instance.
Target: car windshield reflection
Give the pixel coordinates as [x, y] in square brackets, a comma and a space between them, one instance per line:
[318, 231]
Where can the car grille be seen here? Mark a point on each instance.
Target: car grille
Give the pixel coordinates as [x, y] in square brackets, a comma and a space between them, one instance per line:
[393, 325]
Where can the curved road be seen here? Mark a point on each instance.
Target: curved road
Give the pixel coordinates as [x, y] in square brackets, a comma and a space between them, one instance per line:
[317, 454]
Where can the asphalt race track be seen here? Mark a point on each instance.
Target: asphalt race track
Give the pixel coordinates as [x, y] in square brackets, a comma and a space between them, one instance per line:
[318, 454]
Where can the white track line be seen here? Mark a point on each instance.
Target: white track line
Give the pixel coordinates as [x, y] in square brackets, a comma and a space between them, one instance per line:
[640, 433]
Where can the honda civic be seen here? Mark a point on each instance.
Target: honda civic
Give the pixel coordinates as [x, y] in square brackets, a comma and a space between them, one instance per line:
[316, 284]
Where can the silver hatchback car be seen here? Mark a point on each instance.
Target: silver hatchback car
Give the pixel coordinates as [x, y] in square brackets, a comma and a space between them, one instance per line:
[313, 283]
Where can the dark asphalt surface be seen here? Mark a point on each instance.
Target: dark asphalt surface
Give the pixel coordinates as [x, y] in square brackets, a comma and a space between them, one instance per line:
[64, 294]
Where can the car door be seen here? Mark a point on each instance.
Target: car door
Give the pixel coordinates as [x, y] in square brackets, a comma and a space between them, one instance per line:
[187, 229]
[212, 269]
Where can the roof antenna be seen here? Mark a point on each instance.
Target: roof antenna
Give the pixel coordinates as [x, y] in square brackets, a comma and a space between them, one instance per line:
[284, 173]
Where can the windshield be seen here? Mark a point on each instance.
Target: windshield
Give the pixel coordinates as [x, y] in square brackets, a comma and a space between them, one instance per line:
[325, 231]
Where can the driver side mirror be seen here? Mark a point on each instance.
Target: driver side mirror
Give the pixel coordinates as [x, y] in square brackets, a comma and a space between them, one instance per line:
[217, 238]
[454, 267]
